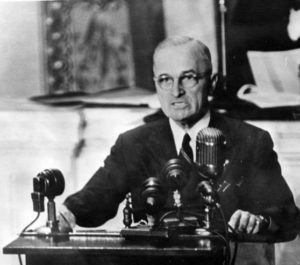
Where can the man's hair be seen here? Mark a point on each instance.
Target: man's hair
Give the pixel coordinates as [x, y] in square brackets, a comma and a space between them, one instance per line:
[197, 48]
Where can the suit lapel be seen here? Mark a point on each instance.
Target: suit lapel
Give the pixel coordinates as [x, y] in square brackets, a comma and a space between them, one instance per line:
[218, 122]
[161, 145]
[231, 150]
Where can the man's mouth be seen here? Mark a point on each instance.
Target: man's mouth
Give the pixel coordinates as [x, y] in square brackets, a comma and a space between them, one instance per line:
[179, 104]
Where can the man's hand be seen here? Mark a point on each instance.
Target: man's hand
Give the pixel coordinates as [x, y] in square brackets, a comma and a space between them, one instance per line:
[66, 220]
[245, 222]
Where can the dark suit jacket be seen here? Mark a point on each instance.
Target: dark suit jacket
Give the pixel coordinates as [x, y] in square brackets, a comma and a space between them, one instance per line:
[253, 172]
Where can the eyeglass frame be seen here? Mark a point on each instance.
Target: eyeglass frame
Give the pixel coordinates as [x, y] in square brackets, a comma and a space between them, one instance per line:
[196, 75]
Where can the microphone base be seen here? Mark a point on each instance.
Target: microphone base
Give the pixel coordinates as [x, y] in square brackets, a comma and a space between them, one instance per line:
[169, 227]
[203, 232]
[185, 226]
[46, 234]
[44, 230]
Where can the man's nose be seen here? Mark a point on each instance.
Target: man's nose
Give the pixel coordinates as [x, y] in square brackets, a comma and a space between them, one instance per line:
[177, 89]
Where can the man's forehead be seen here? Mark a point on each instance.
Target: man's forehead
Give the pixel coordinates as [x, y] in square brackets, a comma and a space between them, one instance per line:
[178, 59]
[183, 50]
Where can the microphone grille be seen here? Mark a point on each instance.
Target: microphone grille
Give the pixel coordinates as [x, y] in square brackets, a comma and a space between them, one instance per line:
[210, 135]
[210, 145]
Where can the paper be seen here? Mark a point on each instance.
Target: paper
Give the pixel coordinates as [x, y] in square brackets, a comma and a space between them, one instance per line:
[265, 99]
[276, 71]
[277, 78]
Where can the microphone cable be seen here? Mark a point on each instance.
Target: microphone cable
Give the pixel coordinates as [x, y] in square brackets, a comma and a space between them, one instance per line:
[20, 259]
[226, 226]
[24, 230]
[226, 237]
[31, 223]
[227, 245]
[235, 245]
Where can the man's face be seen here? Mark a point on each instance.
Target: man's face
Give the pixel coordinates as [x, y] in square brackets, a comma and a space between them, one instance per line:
[180, 102]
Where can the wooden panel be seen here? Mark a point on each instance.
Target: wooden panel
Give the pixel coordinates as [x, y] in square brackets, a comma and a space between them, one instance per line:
[113, 260]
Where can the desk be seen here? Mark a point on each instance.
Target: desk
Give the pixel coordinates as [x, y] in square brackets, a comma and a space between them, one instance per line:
[102, 247]
[111, 248]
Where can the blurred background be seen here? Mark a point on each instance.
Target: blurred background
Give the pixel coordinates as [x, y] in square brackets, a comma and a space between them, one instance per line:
[75, 74]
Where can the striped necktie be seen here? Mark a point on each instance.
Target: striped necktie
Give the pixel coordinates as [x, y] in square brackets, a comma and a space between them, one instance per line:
[186, 151]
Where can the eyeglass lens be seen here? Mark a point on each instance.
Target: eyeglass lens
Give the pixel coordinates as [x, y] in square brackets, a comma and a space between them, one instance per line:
[185, 81]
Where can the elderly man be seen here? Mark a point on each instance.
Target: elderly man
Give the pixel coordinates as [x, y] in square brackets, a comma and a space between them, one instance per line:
[182, 73]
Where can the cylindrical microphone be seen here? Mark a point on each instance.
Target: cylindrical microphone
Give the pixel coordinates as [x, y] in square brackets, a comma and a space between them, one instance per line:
[153, 195]
[210, 147]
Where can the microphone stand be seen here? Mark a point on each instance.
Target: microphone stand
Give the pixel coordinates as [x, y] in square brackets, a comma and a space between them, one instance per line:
[223, 10]
[52, 222]
[207, 218]
[220, 90]
[210, 198]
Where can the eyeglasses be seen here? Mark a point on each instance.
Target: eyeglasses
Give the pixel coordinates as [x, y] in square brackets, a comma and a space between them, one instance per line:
[186, 80]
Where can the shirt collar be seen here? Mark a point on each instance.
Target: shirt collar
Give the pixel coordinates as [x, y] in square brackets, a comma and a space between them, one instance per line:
[178, 132]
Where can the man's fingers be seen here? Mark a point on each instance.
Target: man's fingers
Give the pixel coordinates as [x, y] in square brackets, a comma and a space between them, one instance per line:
[257, 226]
[244, 221]
[235, 219]
[252, 223]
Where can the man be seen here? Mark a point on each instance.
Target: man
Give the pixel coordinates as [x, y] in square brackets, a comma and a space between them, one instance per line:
[256, 192]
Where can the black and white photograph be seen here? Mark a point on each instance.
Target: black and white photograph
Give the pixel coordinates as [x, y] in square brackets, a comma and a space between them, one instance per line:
[141, 132]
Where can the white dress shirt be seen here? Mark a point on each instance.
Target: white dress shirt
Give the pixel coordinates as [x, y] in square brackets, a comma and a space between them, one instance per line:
[179, 132]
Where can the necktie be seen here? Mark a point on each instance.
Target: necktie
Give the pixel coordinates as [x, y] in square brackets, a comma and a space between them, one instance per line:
[186, 150]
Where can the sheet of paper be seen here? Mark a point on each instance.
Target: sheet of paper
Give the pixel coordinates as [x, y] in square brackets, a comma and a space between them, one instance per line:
[277, 71]
[265, 99]
[277, 78]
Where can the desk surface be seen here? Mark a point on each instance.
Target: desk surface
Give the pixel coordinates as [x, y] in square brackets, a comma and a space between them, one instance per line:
[115, 244]
[111, 248]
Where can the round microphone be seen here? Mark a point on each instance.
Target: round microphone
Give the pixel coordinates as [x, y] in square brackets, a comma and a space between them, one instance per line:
[175, 174]
[49, 182]
[210, 147]
[208, 193]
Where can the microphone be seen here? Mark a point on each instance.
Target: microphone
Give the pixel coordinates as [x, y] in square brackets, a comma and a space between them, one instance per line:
[210, 158]
[153, 195]
[175, 174]
[210, 146]
[48, 183]
[208, 193]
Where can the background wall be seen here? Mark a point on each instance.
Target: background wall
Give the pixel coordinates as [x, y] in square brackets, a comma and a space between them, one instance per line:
[21, 69]
[194, 18]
